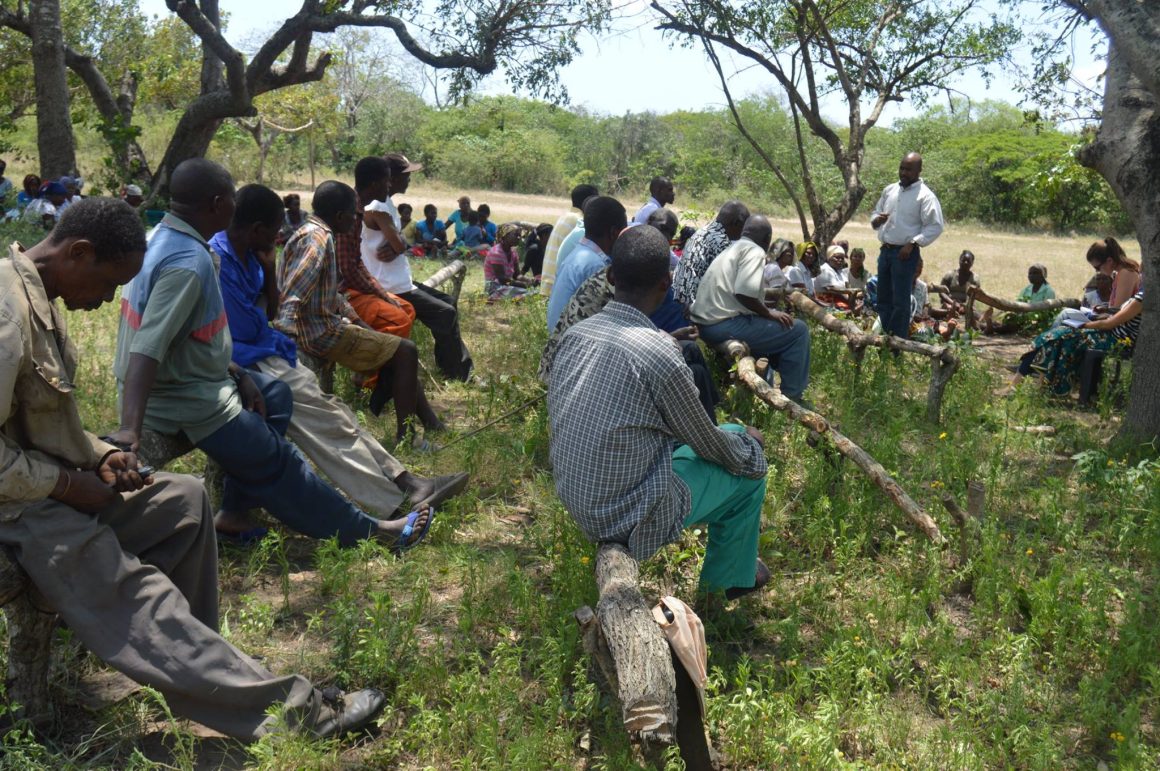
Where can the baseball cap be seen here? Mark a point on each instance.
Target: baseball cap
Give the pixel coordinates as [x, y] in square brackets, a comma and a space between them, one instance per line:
[400, 164]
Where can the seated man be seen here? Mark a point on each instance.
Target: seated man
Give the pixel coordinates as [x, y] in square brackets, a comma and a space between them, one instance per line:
[604, 218]
[704, 246]
[729, 306]
[175, 376]
[665, 220]
[560, 231]
[619, 399]
[958, 282]
[320, 425]
[432, 233]
[323, 324]
[130, 563]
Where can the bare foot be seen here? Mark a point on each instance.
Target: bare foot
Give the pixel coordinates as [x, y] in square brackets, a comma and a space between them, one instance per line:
[234, 522]
[391, 530]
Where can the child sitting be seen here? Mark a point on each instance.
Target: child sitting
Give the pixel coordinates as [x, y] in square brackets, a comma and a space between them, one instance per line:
[473, 233]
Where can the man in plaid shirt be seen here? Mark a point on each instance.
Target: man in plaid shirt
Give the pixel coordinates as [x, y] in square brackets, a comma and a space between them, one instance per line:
[324, 325]
[634, 455]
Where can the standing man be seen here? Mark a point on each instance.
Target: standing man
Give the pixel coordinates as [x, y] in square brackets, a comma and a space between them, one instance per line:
[130, 563]
[564, 226]
[704, 246]
[908, 217]
[660, 193]
[604, 218]
[384, 254]
[634, 456]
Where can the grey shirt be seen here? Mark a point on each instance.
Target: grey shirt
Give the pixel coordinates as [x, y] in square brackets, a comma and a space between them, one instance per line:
[620, 400]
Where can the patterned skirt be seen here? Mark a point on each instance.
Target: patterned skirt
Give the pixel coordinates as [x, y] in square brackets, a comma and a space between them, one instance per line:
[1060, 350]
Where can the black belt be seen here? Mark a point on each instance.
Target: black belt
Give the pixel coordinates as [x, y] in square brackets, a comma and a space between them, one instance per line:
[898, 246]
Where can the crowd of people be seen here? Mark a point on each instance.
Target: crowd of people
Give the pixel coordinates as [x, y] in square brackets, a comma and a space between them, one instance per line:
[220, 336]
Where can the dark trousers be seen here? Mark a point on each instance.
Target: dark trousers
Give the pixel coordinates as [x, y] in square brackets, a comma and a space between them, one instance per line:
[264, 470]
[895, 286]
[439, 314]
[702, 377]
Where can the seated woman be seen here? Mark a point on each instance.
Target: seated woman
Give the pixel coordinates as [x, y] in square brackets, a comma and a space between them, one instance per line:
[1059, 351]
[801, 276]
[431, 230]
[1107, 256]
[534, 246]
[410, 231]
[1037, 290]
[778, 260]
[831, 281]
[501, 266]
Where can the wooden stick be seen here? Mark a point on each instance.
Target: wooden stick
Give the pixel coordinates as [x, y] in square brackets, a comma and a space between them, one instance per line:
[1041, 430]
[1012, 306]
[812, 420]
[447, 272]
[858, 337]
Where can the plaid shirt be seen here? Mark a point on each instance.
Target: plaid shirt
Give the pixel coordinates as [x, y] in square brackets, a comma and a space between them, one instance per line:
[620, 400]
[312, 311]
[702, 249]
[352, 273]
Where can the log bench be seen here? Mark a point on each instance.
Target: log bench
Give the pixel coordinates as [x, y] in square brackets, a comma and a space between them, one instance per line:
[636, 666]
[977, 295]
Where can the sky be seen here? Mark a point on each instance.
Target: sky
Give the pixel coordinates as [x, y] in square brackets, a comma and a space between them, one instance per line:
[635, 69]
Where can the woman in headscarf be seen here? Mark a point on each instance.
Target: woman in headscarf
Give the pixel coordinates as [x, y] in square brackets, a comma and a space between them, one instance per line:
[777, 261]
[501, 266]
[801, 275]
[1036, 291]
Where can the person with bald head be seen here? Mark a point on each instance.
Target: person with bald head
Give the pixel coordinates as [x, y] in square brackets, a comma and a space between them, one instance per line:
[908, 217]
[704, 246]
[730, 305]
[620, 398]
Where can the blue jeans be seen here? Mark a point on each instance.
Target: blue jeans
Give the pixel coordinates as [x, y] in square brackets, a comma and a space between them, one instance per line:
[787, 348]
[895, 286]
[264, 470]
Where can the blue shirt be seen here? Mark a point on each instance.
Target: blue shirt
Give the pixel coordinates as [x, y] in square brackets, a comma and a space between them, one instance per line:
[472, 235]
[568, 245]
[489, 231]
[460, 224]
[429, 233]
[671, 315]
[585, 261]
[241, 282]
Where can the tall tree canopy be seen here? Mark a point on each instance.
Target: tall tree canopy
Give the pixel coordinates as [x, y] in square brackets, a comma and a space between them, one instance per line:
[867, 53]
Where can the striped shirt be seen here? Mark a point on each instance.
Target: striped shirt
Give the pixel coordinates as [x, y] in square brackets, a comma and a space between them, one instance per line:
[564, 226]
[620, 400]
[311, 310]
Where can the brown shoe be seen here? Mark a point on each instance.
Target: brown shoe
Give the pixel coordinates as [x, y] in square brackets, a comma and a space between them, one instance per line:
[345, 712]
[759, 582]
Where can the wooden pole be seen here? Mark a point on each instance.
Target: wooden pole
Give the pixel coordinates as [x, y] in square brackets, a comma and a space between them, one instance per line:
[747, 373]
[1012, 306]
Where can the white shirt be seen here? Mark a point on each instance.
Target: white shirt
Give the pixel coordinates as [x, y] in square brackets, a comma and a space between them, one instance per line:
[799, 274]
[736, 271]
[393, 276]
[915, 215]
[828, 277]
[37, 208]
[641, 217]
[920, 296]
[855, 283]
[773, 277]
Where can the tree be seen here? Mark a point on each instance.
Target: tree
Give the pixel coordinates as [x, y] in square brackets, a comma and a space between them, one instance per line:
[868, 53]
[1125, 150]
[529, 41]
[54, 137]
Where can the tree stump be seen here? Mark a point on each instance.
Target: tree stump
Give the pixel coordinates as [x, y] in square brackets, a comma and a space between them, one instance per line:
[29, 643]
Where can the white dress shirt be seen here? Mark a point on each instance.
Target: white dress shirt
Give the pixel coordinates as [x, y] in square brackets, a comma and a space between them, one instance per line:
[915, 215]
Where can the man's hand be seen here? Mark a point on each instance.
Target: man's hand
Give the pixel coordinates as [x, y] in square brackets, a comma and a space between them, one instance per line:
[781, 317]
[879, 220]
[687, 333]
[906, 250]
[119, 471]
[386, 252]
[251, 395]
[753, 432]
[124, 437]
[84, 491]
[267, 258]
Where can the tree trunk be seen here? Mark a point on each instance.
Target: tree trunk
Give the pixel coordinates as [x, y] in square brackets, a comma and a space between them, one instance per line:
[54, 137]
[1126, 152]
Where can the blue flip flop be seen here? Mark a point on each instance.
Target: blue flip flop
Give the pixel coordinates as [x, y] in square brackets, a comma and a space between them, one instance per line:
[405, 543]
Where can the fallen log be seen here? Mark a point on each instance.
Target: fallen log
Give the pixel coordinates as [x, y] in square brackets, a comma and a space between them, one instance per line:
[944, 363]
[975, 294]
[630, 651]
[1039, 430]
[747, 373]
[454, 272]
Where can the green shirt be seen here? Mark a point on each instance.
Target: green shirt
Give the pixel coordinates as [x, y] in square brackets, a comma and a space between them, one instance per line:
[1029, 295]
[173, 313]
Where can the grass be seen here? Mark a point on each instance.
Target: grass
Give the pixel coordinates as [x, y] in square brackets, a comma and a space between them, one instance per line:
[870, 649]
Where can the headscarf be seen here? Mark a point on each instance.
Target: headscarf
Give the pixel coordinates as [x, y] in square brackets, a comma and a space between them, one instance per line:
[779, 246]
[506, 230]
[803, 246]
[1039, 266]
[835, 249]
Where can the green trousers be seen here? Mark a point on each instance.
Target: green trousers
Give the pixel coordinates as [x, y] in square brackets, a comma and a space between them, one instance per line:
[730, 506]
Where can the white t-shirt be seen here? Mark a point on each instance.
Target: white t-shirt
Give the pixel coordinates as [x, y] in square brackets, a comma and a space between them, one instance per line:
[37, 208]
[800, 274]
[828, 277]
[773, 277]
[393, 276]
[737, 271]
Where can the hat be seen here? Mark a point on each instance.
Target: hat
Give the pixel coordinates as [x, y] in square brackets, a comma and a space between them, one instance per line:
[833, 250]
[133, 190]
[55, 188]
[399, 164]
[66, 181]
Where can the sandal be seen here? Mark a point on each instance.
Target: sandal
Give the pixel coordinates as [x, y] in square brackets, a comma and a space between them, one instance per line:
[405, 542]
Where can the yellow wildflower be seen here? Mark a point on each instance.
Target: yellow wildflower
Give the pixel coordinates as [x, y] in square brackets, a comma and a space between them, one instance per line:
[1030, 552]
[943, 435]
[584, 560]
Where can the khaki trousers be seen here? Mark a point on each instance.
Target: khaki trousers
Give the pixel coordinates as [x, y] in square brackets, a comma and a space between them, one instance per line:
[137, 585]
[329, 434]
